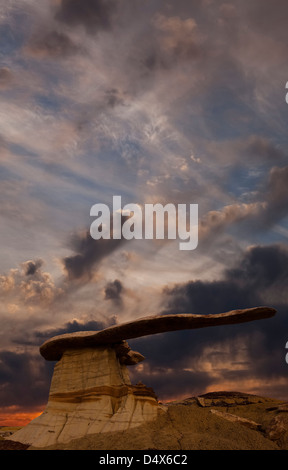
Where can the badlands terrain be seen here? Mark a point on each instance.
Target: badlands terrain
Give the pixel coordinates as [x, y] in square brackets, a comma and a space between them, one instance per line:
[213, 421]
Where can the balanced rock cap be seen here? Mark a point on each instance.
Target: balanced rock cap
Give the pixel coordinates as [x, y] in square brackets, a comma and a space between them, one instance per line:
[53, 349]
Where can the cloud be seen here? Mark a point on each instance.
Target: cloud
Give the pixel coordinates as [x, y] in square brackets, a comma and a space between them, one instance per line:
[113, 291]
[54, 44]
[269, 204]
[265, 18]
[277, 194]
[6, 77]
[170, 43]
[215, 222]
[258, 273]
[177, 37]
[263, 270]
[187, 363]
[247, 356]
[89, 253]
[37, 337]
[94, 15]
[261, 267]
[24, 379]
[170, 383]
[113, 97]
[262, 149]
[255, 150]
[32, 266]
[29, 284]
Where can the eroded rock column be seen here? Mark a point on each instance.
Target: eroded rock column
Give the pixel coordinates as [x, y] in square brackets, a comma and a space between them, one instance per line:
[90, 393]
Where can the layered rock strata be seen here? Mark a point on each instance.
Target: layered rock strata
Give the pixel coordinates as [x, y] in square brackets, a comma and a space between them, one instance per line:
[90, 393]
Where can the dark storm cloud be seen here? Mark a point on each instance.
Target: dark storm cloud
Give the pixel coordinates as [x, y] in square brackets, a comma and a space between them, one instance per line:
[261, 267]
[200, 297]
[168, 385]
[94, 15]
[113, 291]
[70, 327]
[89, 253]
[262, 149]
[243, 286]
[258, 276]
[24, 379]
[36, 337]
[32, 266]
[173, 360]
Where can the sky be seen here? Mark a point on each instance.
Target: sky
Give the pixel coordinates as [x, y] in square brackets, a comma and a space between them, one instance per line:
[157, 102]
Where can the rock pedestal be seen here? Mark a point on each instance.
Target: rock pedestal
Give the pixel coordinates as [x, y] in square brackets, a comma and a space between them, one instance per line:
[90, 393]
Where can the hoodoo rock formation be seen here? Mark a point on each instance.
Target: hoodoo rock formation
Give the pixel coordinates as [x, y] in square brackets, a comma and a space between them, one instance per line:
[91, 392]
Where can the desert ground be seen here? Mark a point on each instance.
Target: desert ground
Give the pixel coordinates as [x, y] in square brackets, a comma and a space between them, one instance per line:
[213, 421]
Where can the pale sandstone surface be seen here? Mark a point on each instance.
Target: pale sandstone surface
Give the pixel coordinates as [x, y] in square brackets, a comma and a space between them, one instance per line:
[186, 425]
[90, 393]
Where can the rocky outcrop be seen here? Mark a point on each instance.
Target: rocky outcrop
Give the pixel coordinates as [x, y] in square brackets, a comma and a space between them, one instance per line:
[237, 419]
[90, 393]
[275, 429]
[54, 347]
[227, 399]
[187, 426]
